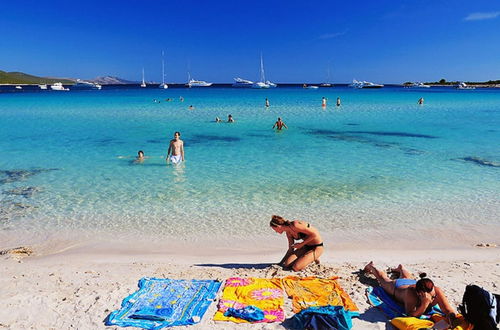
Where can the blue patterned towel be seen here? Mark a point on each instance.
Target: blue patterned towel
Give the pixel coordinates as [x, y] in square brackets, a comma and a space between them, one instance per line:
[163, 303]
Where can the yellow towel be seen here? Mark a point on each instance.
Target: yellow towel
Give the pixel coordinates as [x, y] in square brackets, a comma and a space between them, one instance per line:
[266, 294]
[313, 291]
[412, 323]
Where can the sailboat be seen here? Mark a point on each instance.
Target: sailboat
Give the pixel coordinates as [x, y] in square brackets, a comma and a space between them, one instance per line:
[327, 83]
[163, 85]
[143, 84]
[262, 83]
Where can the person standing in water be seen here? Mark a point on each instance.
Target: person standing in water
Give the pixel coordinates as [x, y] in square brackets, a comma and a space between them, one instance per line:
[421, 101]
[338, 102]
[279, 124]
[323, 102]
[267, 103]
[175, 153]
[230, 119]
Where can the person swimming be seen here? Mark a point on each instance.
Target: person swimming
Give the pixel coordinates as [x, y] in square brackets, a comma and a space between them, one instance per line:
[140, 157]
[218, 120]
[191, 107]
[416, 296]
[338, 102]
[304, 242]
[421, 101]
[230, 119]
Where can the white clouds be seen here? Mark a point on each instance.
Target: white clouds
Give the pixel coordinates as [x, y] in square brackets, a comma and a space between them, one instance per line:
[482, 16]
[332, 35]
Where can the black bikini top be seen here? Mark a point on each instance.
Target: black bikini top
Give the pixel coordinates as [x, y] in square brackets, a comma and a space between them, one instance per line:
[303, 235]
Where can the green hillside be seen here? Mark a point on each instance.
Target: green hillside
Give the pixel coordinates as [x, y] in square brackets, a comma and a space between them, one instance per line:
[23, 78]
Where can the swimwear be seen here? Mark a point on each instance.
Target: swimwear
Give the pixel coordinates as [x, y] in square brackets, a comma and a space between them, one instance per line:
[302, 236]
[404, 281]
[176, 159]
[313, 246]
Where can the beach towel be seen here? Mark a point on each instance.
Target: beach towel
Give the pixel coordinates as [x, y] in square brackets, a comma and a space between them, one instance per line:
[324, 317]
[379, 298]
[412, 323]
[265, 294]
[163, 303]
[461, 322]
[313, 291]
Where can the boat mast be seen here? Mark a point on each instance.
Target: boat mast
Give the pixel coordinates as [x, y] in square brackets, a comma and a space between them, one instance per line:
[163, 67]
[262, 76]
[328, 73]
[143, 82]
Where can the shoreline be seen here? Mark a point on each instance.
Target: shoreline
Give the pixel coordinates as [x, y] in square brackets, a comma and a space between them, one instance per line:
[81, 285]
[48, 242]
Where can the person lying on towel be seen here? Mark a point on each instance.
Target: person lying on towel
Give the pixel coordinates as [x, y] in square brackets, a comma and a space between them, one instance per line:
[304, 242]
[416, 296]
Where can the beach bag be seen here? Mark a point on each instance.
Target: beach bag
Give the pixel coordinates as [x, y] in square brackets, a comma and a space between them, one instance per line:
[481, 308]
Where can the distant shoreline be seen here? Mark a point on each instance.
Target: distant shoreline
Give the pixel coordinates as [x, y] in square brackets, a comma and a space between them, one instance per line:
[299, 85]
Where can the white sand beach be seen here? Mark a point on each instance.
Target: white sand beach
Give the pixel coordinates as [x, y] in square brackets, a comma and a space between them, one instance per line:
[59, 286]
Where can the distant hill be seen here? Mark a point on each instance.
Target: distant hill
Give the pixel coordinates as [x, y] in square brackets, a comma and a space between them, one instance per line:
[108, 80]
[23, 78]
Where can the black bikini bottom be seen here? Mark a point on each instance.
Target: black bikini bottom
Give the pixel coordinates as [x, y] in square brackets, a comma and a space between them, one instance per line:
[313, 246]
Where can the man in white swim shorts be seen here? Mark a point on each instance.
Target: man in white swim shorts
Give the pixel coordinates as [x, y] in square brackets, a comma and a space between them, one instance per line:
[175, 153]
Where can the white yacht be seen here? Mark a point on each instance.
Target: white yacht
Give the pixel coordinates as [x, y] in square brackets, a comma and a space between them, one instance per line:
[143, 84]
[18, 87]
[418, 85]
[309, 86]
[242, 83]
[43, 86]
[58, 87]
[364, 84]
[163, 85]
[82, 84]
[198, 83]
[462, 85]
[262, 83]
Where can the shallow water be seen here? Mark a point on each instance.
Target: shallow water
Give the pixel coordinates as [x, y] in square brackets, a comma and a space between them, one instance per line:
[378, 161]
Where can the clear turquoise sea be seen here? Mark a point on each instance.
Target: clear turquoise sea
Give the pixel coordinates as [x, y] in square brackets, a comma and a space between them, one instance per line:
[380, 160]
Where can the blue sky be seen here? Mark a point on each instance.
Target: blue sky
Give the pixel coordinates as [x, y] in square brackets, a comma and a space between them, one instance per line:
[380, 41]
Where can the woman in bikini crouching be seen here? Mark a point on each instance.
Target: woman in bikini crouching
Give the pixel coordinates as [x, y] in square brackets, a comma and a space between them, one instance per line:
[416, 296]
[304, 242]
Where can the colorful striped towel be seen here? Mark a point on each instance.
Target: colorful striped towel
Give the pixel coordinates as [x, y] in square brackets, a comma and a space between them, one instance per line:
[314, 291]
[266, 294]
[163, 303]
